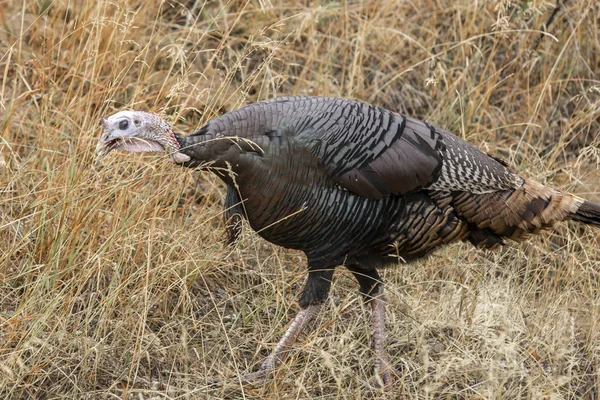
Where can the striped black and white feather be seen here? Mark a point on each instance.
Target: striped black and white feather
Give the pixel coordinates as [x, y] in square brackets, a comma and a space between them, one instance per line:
[354, 184]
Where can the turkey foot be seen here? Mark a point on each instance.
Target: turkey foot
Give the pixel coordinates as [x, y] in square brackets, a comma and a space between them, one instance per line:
[383, 376]
[278, 354]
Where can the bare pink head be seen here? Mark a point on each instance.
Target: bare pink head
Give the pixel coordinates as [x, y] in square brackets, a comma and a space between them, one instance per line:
[138, 131]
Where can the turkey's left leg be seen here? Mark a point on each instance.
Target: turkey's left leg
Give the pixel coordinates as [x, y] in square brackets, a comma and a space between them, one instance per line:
[314, 293]
[371, 288]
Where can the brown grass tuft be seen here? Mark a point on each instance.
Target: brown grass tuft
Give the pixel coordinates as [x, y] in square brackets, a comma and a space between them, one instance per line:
[113, 279]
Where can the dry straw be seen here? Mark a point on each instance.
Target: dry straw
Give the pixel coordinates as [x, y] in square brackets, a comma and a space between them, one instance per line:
[114, 281]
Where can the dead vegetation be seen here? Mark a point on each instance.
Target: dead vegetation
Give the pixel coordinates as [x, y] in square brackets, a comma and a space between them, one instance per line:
[113, 279]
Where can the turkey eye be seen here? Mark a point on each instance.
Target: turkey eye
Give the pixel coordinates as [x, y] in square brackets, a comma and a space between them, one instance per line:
[123, 125]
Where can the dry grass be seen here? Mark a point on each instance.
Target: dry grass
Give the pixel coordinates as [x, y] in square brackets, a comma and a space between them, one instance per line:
[114, 281]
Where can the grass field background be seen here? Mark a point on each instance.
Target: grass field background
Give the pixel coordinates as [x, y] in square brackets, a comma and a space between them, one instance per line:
[114, 282]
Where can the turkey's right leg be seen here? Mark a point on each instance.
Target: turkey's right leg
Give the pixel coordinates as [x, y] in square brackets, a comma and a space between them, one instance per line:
[314, 293]
[371, 288]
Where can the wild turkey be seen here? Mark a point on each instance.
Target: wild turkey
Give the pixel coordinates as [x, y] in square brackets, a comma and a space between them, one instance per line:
[351, 184]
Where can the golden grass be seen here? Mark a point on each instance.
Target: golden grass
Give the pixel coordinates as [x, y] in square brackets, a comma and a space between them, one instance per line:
[114, 281]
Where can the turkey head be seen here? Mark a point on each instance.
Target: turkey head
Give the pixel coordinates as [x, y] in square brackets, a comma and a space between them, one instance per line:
[138, 131]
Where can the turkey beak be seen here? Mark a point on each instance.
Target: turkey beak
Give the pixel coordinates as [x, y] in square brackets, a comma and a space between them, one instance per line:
[103, 147]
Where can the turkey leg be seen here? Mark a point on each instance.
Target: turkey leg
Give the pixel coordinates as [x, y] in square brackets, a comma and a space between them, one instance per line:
[316, 290]
[382, 370]
[283, 346]
[372, 290]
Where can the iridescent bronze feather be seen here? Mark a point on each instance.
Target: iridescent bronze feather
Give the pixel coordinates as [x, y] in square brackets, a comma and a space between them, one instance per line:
[353, 184]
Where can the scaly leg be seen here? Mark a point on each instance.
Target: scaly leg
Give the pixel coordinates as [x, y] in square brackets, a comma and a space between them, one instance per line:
[313, 295]
[303, 317]
[372, 290]
[289, 338]
[382, 365]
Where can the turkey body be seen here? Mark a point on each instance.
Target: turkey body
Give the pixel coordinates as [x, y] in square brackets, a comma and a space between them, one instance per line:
[353, 184]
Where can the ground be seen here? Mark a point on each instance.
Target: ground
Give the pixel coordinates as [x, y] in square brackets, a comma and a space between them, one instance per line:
[114, 282]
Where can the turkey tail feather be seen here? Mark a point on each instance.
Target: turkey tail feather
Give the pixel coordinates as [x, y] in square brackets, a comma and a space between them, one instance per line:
[588, 212]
